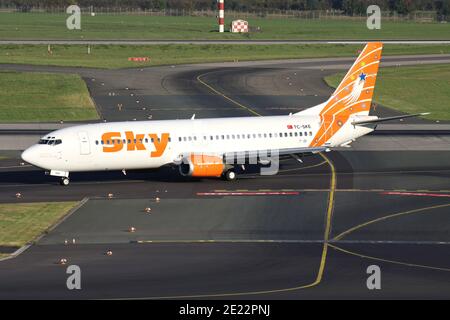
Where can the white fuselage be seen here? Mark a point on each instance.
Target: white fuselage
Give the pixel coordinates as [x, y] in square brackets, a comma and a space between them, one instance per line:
[81, 148]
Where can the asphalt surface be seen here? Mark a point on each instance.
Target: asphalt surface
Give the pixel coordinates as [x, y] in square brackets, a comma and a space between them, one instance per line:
[267, 237]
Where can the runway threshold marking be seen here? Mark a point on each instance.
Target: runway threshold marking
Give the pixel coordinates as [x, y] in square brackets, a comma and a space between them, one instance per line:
[250, 193]
[394, 215]
[417, 194]
[436, 193]
[387, 260]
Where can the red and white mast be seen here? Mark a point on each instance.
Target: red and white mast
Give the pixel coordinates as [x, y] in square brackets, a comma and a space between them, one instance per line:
[221, 7]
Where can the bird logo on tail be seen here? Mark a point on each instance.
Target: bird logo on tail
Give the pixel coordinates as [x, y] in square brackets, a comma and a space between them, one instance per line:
[358, 86]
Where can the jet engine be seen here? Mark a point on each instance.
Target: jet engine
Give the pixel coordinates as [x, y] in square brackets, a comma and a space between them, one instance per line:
[200, 165]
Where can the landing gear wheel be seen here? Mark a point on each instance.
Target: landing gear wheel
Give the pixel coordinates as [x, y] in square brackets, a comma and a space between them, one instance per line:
[64, 181]
[230, 175]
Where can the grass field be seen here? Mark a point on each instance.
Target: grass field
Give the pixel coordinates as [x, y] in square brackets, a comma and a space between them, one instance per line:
[21, 223]
[412, 89]
[116, 56]
[53, 26]
[34, 97]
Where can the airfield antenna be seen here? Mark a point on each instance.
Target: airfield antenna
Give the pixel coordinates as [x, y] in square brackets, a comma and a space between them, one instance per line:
[221, 7]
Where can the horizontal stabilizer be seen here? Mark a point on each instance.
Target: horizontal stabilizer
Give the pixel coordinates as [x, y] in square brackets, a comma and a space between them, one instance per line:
[377, 120]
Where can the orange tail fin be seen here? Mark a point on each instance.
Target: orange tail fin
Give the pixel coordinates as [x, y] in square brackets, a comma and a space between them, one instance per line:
[352, 96]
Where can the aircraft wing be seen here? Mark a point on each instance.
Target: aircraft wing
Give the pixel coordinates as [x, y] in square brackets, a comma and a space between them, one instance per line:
[281, 152]
[255, 153]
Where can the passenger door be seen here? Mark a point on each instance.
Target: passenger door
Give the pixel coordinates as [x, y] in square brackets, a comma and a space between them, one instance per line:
[85, 147]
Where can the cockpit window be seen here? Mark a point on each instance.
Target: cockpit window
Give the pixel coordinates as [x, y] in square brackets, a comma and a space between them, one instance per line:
[43, 141]
[51, 142]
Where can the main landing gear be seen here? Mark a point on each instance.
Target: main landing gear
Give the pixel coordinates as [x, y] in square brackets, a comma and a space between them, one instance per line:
[230, 175]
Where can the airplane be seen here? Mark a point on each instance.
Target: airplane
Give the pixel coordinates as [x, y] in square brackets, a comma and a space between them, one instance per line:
[202, 147]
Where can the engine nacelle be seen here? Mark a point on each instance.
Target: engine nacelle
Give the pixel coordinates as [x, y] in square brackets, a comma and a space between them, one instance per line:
[200, 165]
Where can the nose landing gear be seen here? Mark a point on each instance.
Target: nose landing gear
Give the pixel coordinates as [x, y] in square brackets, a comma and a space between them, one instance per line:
[64, 181]
[64, 176]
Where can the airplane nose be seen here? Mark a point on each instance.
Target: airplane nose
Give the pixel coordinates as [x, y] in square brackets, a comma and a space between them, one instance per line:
[28, 155]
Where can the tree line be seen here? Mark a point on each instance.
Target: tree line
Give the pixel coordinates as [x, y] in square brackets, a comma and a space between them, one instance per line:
[348, 7]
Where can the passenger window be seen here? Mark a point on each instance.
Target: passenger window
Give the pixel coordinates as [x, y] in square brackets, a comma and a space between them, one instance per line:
[107, 141]
[310, 133]
[285, 134]
[290, 134]
[103, 142]
[96, 142]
